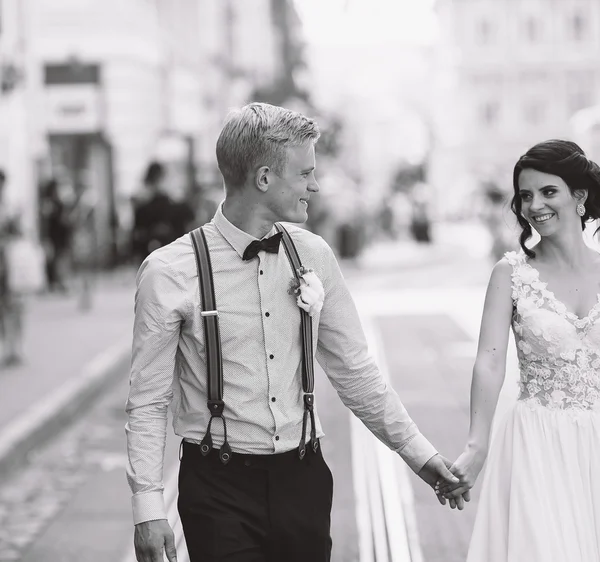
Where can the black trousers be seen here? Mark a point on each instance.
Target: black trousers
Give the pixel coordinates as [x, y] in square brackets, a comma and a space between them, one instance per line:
[257, 508]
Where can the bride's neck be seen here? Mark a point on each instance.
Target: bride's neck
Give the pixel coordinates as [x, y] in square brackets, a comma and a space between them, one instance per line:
[569, 252]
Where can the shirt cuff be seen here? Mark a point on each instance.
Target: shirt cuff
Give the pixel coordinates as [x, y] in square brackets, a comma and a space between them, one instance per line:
[417, 452]
[148, 506]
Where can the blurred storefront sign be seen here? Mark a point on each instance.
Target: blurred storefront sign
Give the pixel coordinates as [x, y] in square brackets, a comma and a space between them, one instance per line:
[73, 98]
[73, 109]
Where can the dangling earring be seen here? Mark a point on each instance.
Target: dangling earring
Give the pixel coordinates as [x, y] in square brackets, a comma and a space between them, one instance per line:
[580, 209]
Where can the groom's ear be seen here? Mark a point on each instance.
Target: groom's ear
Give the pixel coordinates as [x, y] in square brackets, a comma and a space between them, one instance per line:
[261, 178]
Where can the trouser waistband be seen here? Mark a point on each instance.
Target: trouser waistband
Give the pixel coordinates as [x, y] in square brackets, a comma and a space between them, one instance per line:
[276, 460]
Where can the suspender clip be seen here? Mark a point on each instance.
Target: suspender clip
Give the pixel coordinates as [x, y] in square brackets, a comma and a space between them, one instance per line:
[309, 401]
[216, 407]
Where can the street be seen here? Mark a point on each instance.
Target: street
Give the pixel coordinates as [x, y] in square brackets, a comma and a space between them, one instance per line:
[420, 305]
[396, 131]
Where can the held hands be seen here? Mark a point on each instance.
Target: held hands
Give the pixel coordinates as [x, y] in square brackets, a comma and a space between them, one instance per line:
[150, 538]
[467, 468]
[436, 471]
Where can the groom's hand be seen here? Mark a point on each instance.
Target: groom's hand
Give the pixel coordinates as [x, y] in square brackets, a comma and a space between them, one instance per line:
[467, 468]
[436, 470]
[151, 538]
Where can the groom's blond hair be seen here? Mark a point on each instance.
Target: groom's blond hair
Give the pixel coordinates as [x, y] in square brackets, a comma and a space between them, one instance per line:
[258, 135]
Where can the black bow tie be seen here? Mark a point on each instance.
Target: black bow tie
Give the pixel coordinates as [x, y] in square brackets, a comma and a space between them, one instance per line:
[267, 244]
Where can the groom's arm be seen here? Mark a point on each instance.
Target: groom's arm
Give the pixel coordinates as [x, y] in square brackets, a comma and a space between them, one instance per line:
[342, 352]
[159, 309]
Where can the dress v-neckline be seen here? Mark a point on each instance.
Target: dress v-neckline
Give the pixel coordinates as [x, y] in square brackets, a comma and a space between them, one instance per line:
[556, 301]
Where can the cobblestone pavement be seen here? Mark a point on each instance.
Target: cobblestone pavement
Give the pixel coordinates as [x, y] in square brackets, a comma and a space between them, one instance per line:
[33, 497]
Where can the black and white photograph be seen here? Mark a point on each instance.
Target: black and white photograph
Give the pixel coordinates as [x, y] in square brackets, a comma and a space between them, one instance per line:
[299, 280]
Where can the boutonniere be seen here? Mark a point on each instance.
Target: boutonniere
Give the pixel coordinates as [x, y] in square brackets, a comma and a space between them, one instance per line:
[309, 290]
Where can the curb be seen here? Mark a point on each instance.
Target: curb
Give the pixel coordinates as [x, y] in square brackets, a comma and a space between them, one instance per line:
[387, 530]
[45, 419]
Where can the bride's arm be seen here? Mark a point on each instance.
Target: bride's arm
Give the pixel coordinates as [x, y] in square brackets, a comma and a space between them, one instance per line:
[488, 376]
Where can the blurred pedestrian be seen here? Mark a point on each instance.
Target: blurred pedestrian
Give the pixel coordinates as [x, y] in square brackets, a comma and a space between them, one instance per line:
[183, 217]
[420, 224]
[83, 246]
[56, 233]
[152, 215]
[540, 497]
[254, 484]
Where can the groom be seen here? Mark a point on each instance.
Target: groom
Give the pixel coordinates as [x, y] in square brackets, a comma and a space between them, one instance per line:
[267, 503]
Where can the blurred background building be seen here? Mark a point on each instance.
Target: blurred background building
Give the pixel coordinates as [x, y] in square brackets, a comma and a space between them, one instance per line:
[424, 106]
[93, 91]
[508, 74]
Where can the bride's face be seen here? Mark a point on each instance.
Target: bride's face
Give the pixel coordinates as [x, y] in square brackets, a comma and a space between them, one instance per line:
[547, 202]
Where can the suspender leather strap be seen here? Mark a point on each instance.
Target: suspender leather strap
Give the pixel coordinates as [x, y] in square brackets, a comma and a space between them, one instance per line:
[308, 376]
[214, 360]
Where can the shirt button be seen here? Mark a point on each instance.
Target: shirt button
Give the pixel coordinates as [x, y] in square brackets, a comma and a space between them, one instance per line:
[261, 271]
[277, 438]
[271, 356]
[267, 314]
[273, 399]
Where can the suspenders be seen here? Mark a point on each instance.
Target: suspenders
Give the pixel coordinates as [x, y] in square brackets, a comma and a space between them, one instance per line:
[214, 360]
[308, 375]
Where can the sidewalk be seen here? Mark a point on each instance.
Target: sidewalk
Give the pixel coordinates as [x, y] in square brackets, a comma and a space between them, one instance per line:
[70, 355]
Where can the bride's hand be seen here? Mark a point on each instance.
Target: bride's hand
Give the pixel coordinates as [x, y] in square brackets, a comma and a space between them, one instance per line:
[466, 468]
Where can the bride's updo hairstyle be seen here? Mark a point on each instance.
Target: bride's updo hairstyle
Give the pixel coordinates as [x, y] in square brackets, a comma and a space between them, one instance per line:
[564, 159]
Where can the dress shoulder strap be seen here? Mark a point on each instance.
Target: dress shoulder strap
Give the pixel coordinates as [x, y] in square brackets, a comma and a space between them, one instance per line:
[515, 258]
[518, 261]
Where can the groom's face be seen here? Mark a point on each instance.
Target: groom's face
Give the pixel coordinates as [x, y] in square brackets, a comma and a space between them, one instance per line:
[290, 191]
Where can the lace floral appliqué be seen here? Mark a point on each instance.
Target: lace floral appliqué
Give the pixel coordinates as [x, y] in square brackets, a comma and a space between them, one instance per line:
[559, 353]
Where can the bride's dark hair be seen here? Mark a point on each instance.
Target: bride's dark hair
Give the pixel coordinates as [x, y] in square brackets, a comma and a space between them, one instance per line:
[564, 159]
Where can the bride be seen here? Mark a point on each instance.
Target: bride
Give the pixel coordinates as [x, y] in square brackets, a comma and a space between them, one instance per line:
[540, 497]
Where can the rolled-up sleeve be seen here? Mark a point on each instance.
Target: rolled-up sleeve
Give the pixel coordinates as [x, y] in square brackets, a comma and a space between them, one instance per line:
[343, 353]
[160, 305]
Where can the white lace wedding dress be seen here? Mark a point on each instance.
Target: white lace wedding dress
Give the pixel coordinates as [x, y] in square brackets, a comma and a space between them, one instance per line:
[540, 496]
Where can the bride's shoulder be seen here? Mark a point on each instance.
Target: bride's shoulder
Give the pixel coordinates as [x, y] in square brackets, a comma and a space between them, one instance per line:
[502, 271]
[503, 267]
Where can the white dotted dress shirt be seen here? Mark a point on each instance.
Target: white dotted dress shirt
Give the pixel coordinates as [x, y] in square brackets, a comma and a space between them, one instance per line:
[262, 351]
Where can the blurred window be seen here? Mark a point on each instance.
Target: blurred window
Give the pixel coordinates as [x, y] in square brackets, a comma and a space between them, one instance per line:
[581, 89]
[532, 29]
[577, 26]
[579, 99]
[489, 113]
[534, 111]
[484, 31]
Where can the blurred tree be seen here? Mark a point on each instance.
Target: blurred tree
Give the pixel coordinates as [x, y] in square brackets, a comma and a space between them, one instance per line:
[332, 128]
[291, 46]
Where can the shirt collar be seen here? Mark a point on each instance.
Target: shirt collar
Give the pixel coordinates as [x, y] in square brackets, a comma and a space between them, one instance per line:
[237, 239]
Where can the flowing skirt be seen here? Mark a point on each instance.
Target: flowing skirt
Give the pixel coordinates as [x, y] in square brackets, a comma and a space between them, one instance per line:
[540, 496]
